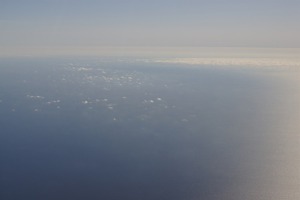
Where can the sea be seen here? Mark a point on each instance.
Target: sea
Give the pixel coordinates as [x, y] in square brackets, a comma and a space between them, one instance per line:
[195, 125]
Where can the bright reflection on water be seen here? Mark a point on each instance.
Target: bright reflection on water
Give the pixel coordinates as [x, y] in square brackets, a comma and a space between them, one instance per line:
[137, 129]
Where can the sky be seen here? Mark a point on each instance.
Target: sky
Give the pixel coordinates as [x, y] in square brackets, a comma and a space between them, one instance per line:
[151, 23]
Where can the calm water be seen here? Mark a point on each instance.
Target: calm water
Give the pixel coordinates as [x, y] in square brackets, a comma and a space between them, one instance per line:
[131, 129]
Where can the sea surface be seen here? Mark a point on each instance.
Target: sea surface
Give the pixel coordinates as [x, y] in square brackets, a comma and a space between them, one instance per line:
[149, 128]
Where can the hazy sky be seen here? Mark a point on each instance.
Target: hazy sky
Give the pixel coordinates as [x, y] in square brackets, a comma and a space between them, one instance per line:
[74, 23]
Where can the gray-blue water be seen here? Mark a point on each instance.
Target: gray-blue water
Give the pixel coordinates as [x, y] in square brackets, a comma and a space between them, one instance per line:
[116, 129]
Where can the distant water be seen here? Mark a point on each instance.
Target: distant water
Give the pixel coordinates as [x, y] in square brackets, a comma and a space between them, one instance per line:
[149, 129]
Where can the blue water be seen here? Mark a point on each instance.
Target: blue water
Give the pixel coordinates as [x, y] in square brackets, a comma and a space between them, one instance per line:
[117, 129]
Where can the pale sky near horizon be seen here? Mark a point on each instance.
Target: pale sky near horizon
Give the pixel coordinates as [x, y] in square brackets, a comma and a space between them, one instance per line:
[212, 23]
